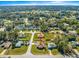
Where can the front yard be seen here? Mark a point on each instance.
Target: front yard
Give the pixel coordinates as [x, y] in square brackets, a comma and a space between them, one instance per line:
[36, 51]
[27, 38]
[17, 51]
[1, 49]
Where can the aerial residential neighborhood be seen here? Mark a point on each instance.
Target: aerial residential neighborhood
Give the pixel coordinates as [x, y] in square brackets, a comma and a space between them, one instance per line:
[39, 31]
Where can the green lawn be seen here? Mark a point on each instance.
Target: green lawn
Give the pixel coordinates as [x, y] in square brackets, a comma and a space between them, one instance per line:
[35, 37]
[36, 51]
[55, 52]
[48, 36]
[1, 50]
[17, 51]
[26, 30]
[27, 38]
[77, 49]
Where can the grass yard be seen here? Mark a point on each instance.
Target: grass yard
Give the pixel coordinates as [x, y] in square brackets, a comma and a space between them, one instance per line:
[17, 51]
[77, 49]
[27, 38]
[48, 36]
[36, 51]
[26, 30]
[55, 52]
[35, 37]
[1, 50]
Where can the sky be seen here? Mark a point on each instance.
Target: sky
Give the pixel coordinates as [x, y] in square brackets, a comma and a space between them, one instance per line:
[43, 2]
[39, 0]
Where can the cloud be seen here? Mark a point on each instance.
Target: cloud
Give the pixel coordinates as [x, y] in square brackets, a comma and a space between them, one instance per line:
[39, 0]
[14, 3]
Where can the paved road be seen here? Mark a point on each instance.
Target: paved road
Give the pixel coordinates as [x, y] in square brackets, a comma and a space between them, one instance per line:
[29, 48]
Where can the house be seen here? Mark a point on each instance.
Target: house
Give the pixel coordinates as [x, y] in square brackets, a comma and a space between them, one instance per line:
[19, 44]
[6, 44]
[41, 35]
[73, 43]
[31, 27]
[51, 46]
[20, 27]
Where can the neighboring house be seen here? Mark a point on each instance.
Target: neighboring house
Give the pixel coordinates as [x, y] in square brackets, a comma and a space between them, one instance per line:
[30, 27]
[20, 27]
[51, 46]
[73, 43]
[77, 43]
[19, 44]
[6, 45]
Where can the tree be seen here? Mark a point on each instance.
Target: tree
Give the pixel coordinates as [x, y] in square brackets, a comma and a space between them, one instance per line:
[61, 46]
[2, 35]
[12, 35]
[77, 31]
[64, 47]
[44, 28]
